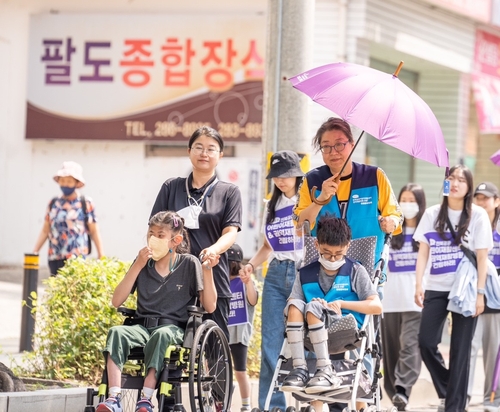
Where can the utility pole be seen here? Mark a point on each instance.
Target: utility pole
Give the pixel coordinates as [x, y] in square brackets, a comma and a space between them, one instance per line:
[289, 52]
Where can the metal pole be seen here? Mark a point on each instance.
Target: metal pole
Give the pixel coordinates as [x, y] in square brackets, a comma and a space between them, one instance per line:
[30, 283]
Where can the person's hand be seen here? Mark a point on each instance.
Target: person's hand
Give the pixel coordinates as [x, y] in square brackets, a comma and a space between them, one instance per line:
[209, 260]
[479, 305]
[387, 224]
[335, 306]
[245, 276]
[208, 253]
[419, 296]
[329, 188]
[144, 255]
[246, 270]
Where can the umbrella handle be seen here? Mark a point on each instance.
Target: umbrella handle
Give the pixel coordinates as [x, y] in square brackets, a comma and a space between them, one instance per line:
[315, 200]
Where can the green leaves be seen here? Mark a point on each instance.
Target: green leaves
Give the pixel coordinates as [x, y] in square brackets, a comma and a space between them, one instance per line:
[73, 319]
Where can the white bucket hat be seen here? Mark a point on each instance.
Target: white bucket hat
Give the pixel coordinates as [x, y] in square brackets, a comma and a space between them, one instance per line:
[72, 169]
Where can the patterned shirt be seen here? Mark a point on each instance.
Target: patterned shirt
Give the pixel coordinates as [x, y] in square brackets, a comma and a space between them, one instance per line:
[68, 235]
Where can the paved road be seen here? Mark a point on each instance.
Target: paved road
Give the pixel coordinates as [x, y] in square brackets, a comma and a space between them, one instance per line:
[423, 397]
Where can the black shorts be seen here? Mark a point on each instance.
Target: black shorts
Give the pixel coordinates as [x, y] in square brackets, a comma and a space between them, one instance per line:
[240, 353]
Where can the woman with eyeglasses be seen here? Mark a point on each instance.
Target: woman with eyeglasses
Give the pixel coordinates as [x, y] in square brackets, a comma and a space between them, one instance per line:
[211, 209]
[362, 194]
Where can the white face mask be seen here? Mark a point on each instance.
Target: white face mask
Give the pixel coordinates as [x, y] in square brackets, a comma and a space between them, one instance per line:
[410, 209]
[159, 247]
[331, 265]
[191, 215]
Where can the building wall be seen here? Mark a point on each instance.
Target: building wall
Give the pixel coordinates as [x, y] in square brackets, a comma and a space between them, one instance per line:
[122, 181]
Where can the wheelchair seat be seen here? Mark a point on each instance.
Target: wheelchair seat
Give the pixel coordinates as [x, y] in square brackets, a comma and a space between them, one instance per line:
[203, 361]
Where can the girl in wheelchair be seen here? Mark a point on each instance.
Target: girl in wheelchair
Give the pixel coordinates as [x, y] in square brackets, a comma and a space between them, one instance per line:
[167, 281]
[324, 292]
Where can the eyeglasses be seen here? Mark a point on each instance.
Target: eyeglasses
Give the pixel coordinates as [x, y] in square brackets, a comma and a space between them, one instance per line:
[200, 150]
[339, 147]
[330, 257]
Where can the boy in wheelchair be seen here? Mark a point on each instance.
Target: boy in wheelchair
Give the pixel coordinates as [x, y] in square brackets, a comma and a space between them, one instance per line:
[167, 281]
[325, 292]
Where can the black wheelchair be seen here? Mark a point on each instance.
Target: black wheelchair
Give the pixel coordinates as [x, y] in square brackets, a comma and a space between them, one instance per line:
[203, 361]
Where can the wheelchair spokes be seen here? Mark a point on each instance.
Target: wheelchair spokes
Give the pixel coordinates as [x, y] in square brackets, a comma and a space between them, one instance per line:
[211, 375]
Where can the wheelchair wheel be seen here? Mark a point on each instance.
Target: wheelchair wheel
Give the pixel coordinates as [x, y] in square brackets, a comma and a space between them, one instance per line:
[210, 370]
[290, 409]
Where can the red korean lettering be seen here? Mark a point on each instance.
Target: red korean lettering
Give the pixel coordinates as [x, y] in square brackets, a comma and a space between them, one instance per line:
[175, 55]
[137, 57]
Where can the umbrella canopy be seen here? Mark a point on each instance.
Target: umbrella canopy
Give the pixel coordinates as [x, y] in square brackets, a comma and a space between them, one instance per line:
[378, 103]
[495, 158]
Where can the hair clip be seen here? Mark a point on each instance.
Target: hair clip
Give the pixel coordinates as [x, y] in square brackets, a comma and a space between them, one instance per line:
[176, 221]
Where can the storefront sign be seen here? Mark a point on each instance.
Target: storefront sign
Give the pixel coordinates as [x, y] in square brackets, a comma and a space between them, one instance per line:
[486, 81]
[145, 77]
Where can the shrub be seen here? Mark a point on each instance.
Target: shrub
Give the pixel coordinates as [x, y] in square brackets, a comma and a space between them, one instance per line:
[73, 319]
[74, 316]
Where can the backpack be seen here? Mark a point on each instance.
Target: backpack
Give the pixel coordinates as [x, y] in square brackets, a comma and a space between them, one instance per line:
[85, 216]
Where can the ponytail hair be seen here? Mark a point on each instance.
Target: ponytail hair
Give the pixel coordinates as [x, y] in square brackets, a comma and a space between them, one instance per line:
[175, 223]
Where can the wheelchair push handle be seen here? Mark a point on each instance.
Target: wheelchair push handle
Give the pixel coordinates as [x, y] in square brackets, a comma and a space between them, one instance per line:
[196, 310]
[127, 312]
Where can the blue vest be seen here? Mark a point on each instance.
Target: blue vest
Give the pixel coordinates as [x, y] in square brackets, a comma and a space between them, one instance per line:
[362, 209]
[341, 288]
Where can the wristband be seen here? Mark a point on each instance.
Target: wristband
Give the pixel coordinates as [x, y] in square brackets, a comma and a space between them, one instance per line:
[480, 291]
[253, 267]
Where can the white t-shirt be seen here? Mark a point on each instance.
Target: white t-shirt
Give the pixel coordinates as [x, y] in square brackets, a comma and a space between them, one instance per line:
[280, 233]
[443, 255]
[399, 290]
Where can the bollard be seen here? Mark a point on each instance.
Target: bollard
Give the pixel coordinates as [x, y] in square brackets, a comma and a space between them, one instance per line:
[30, 283]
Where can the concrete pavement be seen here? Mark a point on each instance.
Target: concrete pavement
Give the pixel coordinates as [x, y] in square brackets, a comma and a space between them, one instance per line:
[423, 397]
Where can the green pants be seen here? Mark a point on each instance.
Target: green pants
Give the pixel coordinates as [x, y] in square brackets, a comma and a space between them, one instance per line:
[121, 339]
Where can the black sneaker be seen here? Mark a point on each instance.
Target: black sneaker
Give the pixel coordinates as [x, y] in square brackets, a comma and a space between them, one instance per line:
[323, 380]
[296, 380]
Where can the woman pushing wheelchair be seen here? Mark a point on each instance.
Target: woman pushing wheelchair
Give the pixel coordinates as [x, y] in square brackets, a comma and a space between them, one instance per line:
[167, 281]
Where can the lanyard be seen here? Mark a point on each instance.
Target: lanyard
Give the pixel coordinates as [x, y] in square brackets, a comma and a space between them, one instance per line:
[192, 201]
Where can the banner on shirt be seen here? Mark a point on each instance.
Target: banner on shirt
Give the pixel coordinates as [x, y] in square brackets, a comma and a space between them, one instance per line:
[445, 256]
[145, 77]
[405, 259]
[238, 313]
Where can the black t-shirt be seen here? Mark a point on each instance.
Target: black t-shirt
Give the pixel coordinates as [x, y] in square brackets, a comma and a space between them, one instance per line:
[222, 208]
[169, 296]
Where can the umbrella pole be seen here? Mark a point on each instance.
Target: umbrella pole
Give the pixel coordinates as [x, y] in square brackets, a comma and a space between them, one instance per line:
[350, 154]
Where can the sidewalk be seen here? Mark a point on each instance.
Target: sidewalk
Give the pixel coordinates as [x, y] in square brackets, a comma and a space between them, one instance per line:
[423, 397]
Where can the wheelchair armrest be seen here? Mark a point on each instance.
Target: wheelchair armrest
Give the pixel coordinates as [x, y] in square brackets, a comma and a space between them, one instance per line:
[127, 312]
[195, 310]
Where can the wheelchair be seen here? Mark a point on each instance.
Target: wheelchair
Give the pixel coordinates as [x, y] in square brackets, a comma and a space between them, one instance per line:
[358, 383]
[203, 361]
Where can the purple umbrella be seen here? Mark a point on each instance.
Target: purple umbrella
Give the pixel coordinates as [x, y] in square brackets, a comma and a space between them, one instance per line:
[495, 158]
[380, 104]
